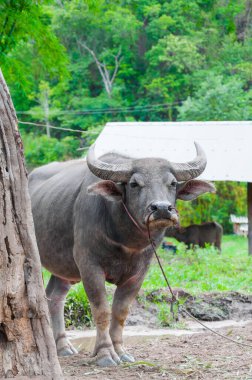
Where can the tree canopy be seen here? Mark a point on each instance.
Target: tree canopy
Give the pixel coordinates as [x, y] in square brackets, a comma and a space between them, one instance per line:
[78, 64]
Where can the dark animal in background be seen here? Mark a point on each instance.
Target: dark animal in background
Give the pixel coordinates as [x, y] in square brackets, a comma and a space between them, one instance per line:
[84, 233]
[168, 246]
[198, 234]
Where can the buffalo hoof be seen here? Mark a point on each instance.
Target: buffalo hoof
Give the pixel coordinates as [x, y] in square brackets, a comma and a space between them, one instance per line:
[107, 358]
[127, 358]
[66, 349]
[106, 362]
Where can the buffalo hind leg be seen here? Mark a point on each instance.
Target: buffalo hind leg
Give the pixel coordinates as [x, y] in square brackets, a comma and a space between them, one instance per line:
[56, 292]
[94, 284]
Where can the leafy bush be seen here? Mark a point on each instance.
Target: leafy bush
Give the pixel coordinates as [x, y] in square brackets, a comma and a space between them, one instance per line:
[77, 308]
[40, 150]
[218, 99]
[230, 198]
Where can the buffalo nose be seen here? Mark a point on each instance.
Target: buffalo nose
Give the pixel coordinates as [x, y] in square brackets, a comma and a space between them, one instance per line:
[161, 206]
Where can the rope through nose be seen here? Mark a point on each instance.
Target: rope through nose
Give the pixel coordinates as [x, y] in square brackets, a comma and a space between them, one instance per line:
[174, 299]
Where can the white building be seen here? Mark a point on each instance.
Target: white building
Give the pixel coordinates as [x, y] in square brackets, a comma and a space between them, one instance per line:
[240, 224]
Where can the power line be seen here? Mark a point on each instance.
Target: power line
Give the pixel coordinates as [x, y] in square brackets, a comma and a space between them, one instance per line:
[149, 108]
[60, 128]
[112, 110]
[155, 107]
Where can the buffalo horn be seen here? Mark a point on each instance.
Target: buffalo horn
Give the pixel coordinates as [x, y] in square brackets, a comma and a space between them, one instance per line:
[108, 171]
[191, 169]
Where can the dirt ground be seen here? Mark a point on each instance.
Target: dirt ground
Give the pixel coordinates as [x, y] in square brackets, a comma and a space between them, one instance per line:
[201, 356]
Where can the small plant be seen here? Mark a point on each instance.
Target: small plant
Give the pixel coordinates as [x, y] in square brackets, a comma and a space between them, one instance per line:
[169, 316]
[165, 317]
[77, 308]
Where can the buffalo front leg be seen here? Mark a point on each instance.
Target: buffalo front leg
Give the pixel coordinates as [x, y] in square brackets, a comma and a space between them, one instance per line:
[56, 292]
[123, 298]
[94, 285]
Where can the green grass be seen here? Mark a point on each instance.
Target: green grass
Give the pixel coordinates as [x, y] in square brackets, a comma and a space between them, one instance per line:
[204, 270]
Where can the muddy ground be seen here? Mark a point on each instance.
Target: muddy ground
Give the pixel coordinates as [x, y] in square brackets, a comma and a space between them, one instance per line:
[205, 307]
[200, 356]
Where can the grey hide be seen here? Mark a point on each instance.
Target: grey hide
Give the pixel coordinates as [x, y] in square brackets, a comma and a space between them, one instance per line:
[84, 234]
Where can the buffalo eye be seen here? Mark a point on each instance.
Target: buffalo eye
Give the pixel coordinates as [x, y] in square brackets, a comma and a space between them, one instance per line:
[174, 184]
[133, 184]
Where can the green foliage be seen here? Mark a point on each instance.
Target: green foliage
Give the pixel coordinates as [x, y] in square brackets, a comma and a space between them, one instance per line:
[230, 198]
[41, 150]
[77, 308]
[171, 61]
[169, 51]
[216, 100]
[168, 315]
[29, 49]
[164, 315]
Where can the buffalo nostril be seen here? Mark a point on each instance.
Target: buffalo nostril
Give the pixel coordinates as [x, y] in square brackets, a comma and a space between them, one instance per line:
[153, 208]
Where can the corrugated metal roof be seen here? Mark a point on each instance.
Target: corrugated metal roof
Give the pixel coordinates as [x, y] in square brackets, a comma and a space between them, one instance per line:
[228, 144]
[238, 219]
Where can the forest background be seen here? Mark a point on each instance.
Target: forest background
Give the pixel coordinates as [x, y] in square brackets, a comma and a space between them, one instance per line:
[76, 64]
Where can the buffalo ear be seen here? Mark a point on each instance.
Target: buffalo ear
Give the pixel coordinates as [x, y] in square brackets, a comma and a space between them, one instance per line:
[107, 189]
[187, 191]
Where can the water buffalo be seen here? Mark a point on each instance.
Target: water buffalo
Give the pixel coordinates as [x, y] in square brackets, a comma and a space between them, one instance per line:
[95, 231]
[198, 234]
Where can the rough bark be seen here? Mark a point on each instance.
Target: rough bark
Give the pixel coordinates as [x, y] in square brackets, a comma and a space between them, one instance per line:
[249, 203]
[243, 23]
[27, 347]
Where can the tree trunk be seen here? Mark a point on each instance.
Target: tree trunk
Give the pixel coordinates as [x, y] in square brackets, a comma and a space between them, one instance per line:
[249, 204]
[243, 22]
[27, 347]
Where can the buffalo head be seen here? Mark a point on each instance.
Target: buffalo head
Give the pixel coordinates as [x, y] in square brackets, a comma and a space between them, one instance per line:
[149, 185]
